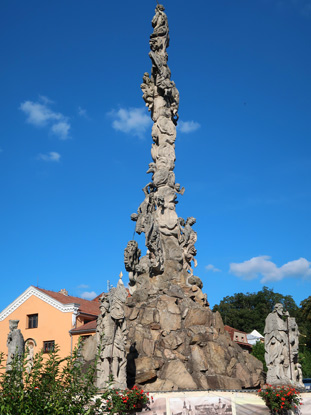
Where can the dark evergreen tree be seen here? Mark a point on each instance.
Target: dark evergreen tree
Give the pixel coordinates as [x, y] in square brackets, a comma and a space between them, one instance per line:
[248, 311]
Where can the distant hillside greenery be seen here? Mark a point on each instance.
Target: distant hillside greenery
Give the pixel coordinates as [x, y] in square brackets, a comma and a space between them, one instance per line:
[248, 311]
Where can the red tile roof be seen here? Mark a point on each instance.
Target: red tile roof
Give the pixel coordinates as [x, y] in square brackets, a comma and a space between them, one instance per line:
[90, 327]
[85, 306]
[244, 343]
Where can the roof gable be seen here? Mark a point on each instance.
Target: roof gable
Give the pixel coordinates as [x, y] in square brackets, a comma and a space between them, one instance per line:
[85, 306]
[70, 307]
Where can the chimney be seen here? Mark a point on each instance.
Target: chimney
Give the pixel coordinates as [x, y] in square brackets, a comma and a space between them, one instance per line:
[63, 291]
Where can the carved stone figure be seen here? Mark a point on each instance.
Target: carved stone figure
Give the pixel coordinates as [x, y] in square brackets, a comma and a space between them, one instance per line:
[187, 240]
[111, 332]
[15, 343]
[295, 372]
[276, 346]
[30, 344]
[281, 348]
[131, 260]
[148, 91]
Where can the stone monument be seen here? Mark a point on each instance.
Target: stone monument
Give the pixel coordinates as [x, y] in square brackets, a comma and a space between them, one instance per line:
[15, 344]
[174, 340]
[111, 332]
[281, 349]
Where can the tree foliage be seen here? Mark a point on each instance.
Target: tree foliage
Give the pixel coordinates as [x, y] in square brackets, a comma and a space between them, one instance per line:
[259, 352]
[248, 311]
[304, 322]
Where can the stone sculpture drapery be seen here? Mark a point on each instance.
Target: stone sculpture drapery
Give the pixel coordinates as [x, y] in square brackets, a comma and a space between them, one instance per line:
[15, 343]
[281, 349]
[111, 332]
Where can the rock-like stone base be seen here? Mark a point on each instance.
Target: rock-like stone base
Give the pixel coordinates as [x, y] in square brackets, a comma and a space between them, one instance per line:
[175, 342]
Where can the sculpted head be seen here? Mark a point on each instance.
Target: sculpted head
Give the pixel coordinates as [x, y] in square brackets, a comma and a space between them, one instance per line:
[13, 324]
[160, 7]
[191, 221]
[278, 308]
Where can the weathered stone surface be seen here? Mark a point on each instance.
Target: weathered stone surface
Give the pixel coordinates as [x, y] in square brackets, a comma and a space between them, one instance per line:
[146, 368]
[173, 340]
[219, 325]
[148, 347]
[176, 372]
[170, 321]
[223, 382]
[147, 316]
[174, 291]
[161, 385]
[133, 313]
[89, 348]
[198, 316]
[199, 359]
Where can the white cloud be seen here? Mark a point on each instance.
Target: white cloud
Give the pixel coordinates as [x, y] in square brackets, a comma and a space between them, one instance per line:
[211, 267]
[61, 129]
[40, 114]
[261, 265]
[88, 295]
[45, 99]
[83, 286]
[82, 112]
[134, 121]
[51, 156]
[188, 126]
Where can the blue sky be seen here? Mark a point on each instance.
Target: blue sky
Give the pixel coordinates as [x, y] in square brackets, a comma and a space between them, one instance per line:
[75, 141]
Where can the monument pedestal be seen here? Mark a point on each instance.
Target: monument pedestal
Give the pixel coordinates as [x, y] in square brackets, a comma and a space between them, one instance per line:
[176, 343]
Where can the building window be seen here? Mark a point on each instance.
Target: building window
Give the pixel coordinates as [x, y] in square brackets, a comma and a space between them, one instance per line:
[48, 346]
[32, 321]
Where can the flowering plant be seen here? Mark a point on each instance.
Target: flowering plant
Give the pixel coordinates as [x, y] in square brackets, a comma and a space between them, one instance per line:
[280, 398]
[124, 401]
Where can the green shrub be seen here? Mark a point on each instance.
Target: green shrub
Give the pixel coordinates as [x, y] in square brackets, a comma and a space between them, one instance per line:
[58, 386]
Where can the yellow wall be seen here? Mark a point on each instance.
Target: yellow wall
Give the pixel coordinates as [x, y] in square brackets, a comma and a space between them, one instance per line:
[52, 325]
[76, 337]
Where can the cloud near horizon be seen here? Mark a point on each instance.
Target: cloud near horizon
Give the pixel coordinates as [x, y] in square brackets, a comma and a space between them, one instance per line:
[88, 295]
[187, 127]
[41, 115]
[51, 156]
[261, 265]
[134, 121]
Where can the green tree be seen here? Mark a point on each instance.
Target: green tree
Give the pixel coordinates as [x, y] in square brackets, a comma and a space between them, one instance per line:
[259, 352]
[305, 361]
[304, 323]
[248, 311]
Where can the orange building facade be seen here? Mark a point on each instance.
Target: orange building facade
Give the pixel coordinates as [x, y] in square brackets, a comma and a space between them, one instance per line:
[47, 318]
